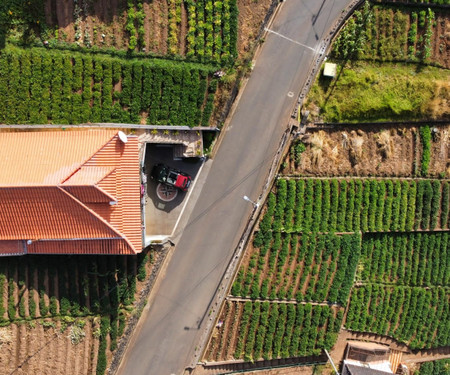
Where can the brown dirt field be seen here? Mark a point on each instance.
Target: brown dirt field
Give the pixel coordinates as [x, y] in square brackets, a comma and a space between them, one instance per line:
[44, 350]
[227, 334]
[109, 18]
[360, 152]
[251, 15]
[441, 50]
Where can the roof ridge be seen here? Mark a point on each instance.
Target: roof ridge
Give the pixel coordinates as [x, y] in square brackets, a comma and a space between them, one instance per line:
[89, 158]
[98, 217]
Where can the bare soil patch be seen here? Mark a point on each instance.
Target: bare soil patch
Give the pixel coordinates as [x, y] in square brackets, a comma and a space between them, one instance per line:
[441, 50]
[27, 349]
[251, 15]
[368, 151]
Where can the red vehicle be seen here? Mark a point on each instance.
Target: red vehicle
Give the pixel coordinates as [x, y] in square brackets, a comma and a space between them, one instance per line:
[170, 176]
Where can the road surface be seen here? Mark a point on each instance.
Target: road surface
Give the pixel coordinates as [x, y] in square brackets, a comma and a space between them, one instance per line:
[166, 340]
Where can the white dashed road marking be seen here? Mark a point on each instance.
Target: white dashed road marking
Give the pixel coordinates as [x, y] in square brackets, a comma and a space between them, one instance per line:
[291, 40]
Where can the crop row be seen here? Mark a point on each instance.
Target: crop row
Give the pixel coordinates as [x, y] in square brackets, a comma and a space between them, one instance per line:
[278, 330]
[387, 34]
[412, 259]
[416, 316]
[367, 205]
[212, 30]
[53, 286]
[307, 267]
[38, 86]
[439, 367]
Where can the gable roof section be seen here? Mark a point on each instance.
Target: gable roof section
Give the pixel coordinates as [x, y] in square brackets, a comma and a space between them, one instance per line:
[39, 213]
[62, 202]
[46, 158]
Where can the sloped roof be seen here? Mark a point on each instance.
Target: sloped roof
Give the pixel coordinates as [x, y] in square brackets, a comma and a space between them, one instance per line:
[46, 158]
[361, 370]
[74, 192]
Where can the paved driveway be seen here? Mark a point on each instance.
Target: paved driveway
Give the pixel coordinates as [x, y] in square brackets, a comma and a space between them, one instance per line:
[167, 340]
[161, 217]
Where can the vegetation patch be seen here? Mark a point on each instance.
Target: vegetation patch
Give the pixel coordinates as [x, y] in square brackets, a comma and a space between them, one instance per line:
[372, 91]
[440, 367]
[67, 291]
[395, 33]
[39, 87]
[268, 330]
[340, 205]
[415, 316]
[411, 259]
[300, 267]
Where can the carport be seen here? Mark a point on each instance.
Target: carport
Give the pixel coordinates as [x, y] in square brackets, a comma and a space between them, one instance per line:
[180, 149]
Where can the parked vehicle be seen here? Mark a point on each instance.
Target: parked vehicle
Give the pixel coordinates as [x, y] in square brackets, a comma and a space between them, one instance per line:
[170, 176]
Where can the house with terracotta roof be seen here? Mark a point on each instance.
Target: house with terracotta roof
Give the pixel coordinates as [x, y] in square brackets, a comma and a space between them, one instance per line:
[70, 192]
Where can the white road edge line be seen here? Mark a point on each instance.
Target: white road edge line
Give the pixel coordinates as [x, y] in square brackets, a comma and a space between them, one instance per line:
[291, 40]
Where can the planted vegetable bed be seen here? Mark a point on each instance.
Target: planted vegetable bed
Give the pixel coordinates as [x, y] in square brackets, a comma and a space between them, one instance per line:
[413, 259]
[367, 205]
[48, 289]
[39, 86]
[274, 330]
[301, 267]
[390, 33]
[416, 316]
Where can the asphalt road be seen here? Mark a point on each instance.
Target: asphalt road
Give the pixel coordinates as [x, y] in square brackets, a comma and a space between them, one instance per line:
[166, 340]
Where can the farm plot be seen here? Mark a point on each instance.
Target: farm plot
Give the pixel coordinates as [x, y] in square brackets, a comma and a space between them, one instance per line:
[367, 205]
[52, 286]
[413, 259]
[369, 151]
[201, 30]
[301, 267]
[440, 367]
[395, 34]
[415, 316]
[52, 290]
[39, 87]
[255, 330]
[44, 347]
[212, 30]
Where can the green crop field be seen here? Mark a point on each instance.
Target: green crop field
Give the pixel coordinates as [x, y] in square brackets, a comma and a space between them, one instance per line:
[367, 205]
[416, 316]
[39, 87]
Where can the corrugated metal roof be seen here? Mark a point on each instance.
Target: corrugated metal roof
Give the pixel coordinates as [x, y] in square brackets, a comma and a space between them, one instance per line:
[72, 214]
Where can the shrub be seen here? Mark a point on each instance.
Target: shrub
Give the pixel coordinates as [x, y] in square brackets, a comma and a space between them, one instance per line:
[435, 203]
[427, 198]
[445, 204]
[101, 358]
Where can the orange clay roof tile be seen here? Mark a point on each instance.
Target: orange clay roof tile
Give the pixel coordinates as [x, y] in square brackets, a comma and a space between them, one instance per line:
[60, 199]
